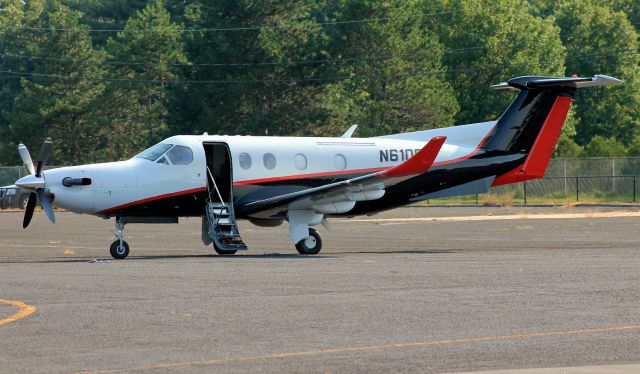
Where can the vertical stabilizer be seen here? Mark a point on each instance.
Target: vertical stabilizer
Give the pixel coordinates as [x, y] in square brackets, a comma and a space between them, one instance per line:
[533, 122]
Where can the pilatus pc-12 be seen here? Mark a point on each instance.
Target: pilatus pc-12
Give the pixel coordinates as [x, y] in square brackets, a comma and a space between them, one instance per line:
[270, 180]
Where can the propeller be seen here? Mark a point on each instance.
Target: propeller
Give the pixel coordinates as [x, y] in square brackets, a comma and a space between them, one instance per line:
[36, 182]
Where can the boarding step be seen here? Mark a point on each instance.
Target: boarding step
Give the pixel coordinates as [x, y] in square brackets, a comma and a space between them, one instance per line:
[222, 228]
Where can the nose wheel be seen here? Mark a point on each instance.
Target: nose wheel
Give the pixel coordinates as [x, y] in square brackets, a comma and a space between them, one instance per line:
[119, 248]
[310, 245]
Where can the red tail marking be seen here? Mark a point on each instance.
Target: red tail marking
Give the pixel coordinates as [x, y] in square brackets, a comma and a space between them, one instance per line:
[538, 159]
[420, 162]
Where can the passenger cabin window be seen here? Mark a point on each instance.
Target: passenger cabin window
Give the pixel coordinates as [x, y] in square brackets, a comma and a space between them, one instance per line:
[300, 161]
[154, 152]
[245, 160]
[340, 162]
[180, 155]
[269, 161]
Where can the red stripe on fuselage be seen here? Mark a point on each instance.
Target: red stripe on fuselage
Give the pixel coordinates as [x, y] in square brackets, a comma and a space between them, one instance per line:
[358, 171]
[149, 199]
[291, 177]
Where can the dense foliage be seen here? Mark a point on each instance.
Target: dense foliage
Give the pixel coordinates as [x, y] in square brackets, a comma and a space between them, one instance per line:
[107, 78]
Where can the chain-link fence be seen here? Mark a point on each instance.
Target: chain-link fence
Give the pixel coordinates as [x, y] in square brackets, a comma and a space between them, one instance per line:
[597, 179]
[605, 189]
[576, 180]
[10, 174]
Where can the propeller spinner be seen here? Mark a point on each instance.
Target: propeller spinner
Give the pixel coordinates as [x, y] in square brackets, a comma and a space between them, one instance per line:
[35, 182]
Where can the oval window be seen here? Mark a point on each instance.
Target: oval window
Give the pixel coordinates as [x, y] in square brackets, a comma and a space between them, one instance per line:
[300, 161]
[340, 162]
[180, 155]
[269, 161]
[245, 160]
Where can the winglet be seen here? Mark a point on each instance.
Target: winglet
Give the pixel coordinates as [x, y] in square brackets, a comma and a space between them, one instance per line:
[420, 163]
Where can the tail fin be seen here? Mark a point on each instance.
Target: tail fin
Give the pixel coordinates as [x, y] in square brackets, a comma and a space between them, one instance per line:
[532, 123]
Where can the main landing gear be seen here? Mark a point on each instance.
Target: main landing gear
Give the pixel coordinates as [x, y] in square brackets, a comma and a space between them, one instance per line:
[119, 248]
[307, 240]
[311, 245]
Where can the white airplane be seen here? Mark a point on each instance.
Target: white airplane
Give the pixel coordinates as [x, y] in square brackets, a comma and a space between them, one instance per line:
[304, 180]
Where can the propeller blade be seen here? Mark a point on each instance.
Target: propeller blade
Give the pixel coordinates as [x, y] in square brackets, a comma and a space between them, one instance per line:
[26, 158]
[46, 204]
[28, 212]
[44, 155]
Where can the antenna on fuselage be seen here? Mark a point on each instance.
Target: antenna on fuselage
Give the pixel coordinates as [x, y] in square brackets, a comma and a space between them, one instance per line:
[348, 133]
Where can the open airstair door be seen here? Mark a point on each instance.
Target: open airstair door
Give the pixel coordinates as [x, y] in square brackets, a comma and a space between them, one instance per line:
[219, 223]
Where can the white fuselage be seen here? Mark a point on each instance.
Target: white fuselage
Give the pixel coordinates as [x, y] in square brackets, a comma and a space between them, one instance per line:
[133, 181]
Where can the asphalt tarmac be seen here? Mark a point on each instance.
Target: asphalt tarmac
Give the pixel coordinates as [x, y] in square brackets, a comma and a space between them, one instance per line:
[425, 289]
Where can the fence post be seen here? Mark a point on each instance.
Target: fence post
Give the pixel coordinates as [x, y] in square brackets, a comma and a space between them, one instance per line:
[524, 185]
[577, 189]
[613, 175]
[566, 189]
[634, 188]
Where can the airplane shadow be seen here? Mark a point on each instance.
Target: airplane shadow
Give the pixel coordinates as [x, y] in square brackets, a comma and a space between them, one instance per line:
[402, 251]
[264, 256]
[104, 260]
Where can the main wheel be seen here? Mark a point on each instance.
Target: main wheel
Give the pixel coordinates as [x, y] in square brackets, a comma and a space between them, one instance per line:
[119, 251]
[311, 245]
[224, 252]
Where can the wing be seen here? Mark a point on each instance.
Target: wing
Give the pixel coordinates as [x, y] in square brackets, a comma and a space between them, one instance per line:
[340, 197]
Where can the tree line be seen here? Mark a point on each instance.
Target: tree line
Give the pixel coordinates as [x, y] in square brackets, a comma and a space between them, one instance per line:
[105, 79]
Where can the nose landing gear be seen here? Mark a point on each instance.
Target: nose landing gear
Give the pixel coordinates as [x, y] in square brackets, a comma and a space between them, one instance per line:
[119, 248]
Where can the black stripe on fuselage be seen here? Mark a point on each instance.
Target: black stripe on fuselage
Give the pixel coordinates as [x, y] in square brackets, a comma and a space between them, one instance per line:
[483, 164]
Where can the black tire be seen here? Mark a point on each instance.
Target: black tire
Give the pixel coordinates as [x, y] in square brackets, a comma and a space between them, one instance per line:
[22, 201]
[224, 252]
[118, 252]
[311, 245]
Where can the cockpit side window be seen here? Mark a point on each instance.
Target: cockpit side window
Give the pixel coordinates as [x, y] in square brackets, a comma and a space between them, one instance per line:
[180, 155]
[154, 152]
[163, 160]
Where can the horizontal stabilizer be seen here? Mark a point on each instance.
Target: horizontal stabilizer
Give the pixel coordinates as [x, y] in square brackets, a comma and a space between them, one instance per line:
[543, 83]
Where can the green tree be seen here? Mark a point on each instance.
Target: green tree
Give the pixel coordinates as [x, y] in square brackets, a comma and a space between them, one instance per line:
[383, 75]
[631, 9]
[60, 84]
[151, 43]
[105, 15]
[604, 147]
[490, 42]
[252, 88]
[634, 147]
[567, 148]
[602, 41]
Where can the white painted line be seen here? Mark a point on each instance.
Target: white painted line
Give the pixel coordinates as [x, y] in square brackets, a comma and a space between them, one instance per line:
[605, 369]
[504, 217]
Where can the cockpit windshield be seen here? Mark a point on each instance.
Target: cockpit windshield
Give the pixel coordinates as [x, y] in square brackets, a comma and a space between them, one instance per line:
[168, 154]
[154, 152]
